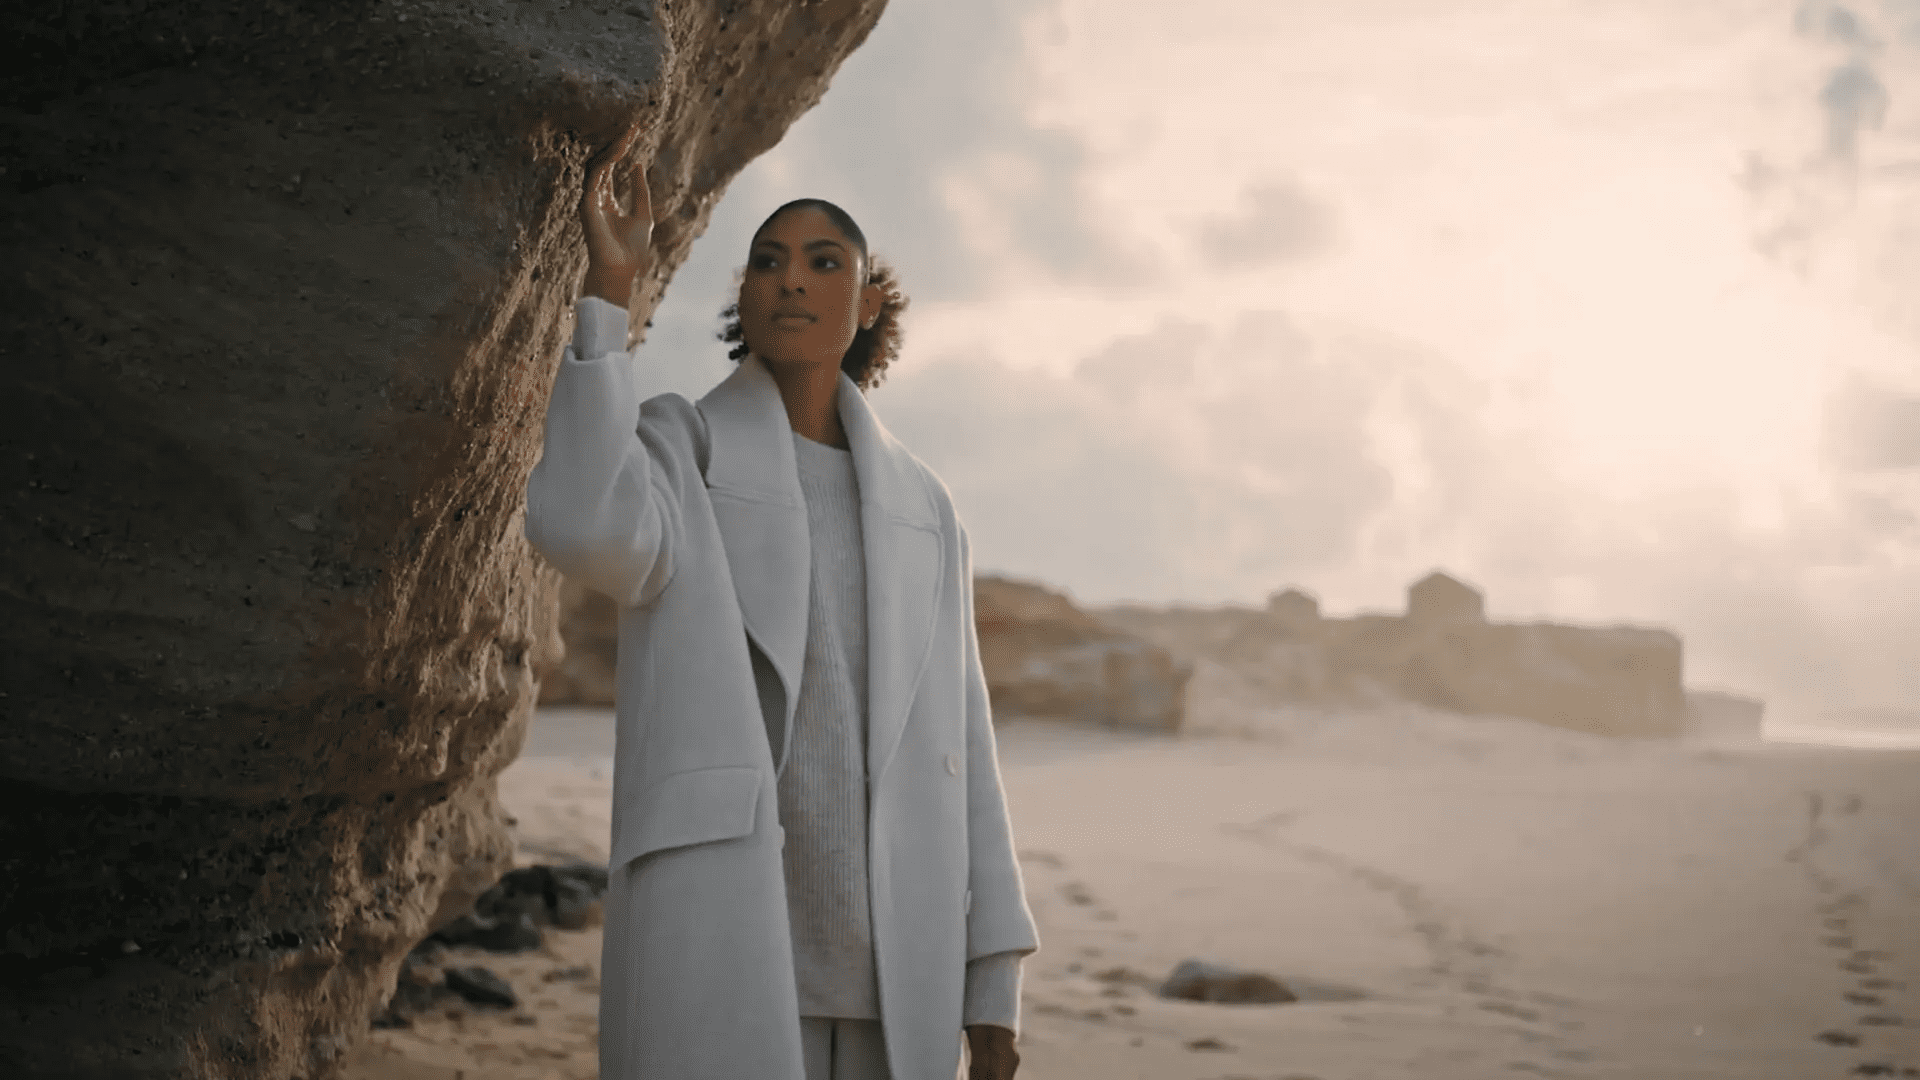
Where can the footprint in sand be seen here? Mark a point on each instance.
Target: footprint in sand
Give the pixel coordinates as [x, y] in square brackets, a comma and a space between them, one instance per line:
[1044, 858]
[1838, 1038]
[1079, 895]
[1840, 936]
[1515, 1011]
[1124, 974]
[1455, 953]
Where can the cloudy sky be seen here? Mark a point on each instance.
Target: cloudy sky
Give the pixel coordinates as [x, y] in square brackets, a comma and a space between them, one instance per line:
[1612, 310]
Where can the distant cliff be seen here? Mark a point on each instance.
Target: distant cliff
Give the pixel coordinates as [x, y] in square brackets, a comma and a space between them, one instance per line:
[1045, 657]
[1129, 665]
[1617, 680]
[1042, 657]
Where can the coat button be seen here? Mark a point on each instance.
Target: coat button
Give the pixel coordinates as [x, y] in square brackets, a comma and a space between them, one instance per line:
[953, 764]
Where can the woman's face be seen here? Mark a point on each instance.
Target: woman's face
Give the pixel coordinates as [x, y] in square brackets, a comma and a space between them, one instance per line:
[801, 299]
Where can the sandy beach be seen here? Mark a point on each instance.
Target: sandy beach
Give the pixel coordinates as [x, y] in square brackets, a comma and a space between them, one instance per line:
[1453, 899]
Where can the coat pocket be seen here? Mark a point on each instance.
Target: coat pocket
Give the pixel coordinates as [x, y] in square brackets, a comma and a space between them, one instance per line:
[697, 806]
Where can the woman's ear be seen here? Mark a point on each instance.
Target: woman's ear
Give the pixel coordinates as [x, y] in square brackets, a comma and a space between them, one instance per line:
[872, 299]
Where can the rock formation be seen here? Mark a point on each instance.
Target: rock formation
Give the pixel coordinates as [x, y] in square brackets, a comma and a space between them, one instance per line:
[1717, 714]
[582, 671]
[285, 287]
[1615, 680]
[1045, 657]
[1042, 656]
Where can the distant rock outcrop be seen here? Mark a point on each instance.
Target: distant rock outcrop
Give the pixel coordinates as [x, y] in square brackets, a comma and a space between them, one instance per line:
[1619, 680]
[285, 287]
[1718, 714]
[1042, 657]
[582, 671]
[1442, 598]
[1045, 657]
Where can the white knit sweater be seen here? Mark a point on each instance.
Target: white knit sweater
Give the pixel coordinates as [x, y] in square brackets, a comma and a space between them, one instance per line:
[822, 777]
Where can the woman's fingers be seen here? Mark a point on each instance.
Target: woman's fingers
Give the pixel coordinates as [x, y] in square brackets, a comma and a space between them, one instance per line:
[599, 204]
[600, 190]
[613, 152]
[619, 241]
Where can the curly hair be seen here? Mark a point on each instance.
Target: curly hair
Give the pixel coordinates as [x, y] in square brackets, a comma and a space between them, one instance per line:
[873, 350]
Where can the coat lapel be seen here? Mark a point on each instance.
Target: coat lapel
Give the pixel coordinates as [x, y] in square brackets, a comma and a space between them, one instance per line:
[754, 486]
[900, 532]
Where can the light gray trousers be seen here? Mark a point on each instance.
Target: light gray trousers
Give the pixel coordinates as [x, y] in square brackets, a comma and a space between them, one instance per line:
[839, 1049]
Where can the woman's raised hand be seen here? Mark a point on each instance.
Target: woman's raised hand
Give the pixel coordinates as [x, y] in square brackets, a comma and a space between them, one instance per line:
[619, 242]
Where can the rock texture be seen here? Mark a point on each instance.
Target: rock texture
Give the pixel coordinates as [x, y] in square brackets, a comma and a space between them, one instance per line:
[285, 285]
[1045, 657]
[1607, 680]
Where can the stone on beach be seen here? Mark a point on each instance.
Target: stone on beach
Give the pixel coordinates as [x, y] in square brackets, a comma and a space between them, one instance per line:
[481, 987]
[564, 896]
[1199, 980]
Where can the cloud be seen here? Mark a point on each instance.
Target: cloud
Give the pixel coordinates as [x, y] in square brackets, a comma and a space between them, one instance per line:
[937, 97]
[1172, 464]
[1278, 221]
[1872, 428]
[1143, 368]
[1854, 98]
[1831, 22]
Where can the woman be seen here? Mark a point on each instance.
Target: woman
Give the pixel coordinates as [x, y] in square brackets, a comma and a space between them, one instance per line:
[813, 874]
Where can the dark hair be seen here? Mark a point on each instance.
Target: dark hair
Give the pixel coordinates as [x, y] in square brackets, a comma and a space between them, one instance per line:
[866, 360]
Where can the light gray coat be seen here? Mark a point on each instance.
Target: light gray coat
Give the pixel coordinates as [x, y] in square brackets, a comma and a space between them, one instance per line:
[697, 975]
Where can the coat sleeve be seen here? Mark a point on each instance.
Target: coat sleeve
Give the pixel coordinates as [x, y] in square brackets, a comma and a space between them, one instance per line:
[998, 920]
[993, 991]
[601, 504]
